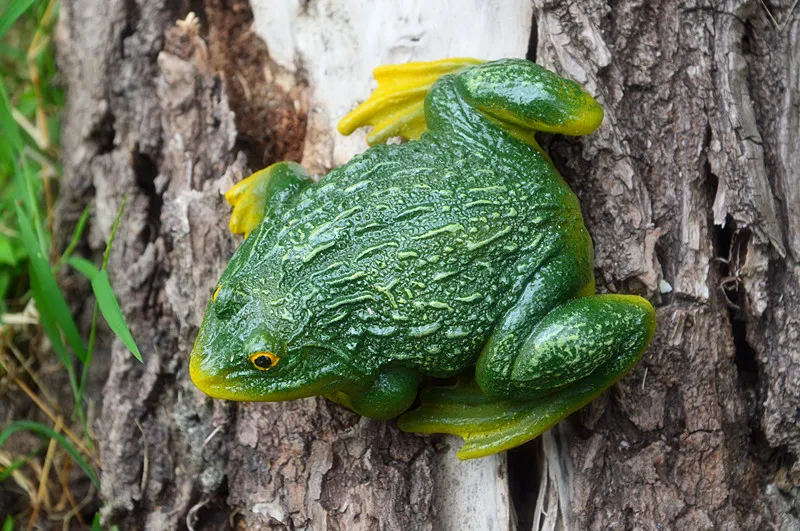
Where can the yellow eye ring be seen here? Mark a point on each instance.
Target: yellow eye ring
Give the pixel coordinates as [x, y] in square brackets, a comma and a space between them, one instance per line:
[263, 361]
[216, 292]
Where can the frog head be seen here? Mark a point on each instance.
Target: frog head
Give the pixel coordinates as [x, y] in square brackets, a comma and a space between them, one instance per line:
[244, 351]
[522, 97]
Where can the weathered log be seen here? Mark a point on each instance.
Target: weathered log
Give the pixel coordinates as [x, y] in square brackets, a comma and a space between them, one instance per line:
[689, 189]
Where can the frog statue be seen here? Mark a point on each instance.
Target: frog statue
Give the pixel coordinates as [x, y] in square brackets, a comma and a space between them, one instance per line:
[459, 254]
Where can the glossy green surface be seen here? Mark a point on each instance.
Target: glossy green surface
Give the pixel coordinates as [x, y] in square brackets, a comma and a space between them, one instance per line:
[464, 250]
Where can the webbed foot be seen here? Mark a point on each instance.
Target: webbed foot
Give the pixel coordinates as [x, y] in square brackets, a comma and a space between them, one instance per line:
[265, 189]
[396, 107]
[487, 426]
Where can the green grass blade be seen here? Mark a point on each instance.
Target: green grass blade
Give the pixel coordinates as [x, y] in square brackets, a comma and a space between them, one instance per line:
[108, 304]
[7, 471]
[19, 425]
[8, 524]
[77, 233]
[104, 294]
[112, 313]
[8, 126]
[48, 323]
[6, 251]
[84, 267]
[5, 282]
[12, 13]
[12, 149]
[46, 318]
[114, 231]
[50, 299]
[11, 143]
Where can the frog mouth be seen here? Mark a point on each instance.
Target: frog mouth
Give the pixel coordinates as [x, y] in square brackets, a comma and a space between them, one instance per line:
[214, 384]
[240, 385]
[245, 385]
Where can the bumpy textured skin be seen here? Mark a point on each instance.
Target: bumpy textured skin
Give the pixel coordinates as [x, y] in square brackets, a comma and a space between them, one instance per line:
[464, 249]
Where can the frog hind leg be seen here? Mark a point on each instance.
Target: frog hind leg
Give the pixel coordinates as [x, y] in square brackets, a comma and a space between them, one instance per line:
[573, 354]
[264, 191]
[391, 393]
[525, 97]
[397, 106]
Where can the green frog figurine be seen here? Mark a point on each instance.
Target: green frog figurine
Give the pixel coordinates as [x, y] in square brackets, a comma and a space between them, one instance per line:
[460, 253]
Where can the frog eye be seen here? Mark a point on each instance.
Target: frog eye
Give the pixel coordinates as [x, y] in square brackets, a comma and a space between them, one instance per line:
[263, 361]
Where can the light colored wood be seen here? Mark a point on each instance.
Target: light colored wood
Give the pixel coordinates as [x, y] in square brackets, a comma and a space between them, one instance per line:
[335, 45]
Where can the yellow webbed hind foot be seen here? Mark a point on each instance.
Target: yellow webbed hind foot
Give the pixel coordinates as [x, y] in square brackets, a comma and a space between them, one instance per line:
[396, 107]
[265, 189]
[487, 426]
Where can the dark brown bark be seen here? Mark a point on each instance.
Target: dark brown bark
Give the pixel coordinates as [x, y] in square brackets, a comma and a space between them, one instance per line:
[693, 179]
[150, 118]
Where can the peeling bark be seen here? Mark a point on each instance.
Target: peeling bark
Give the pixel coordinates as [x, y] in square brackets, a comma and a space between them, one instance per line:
[679, 187]
[693, 182]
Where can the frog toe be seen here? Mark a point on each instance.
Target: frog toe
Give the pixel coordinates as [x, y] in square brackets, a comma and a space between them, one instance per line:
[487, 426]
[396, 107]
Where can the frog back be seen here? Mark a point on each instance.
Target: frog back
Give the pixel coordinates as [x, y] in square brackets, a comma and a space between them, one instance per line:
[411, 253]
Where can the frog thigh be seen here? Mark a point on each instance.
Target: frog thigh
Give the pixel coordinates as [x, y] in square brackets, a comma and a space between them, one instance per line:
[265, 190]
[392, 392]
[559, 279]
[597, 339]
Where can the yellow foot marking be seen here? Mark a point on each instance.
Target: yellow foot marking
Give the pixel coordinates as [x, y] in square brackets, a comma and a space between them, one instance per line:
[250, 197]
[396, 108]
[249, 200]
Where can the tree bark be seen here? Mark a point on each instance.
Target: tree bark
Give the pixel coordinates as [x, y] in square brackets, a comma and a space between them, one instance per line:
[690, 190]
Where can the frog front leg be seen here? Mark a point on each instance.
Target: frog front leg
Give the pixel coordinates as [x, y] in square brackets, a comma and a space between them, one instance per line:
[391, 393]
[264, 191]
[573, 354]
